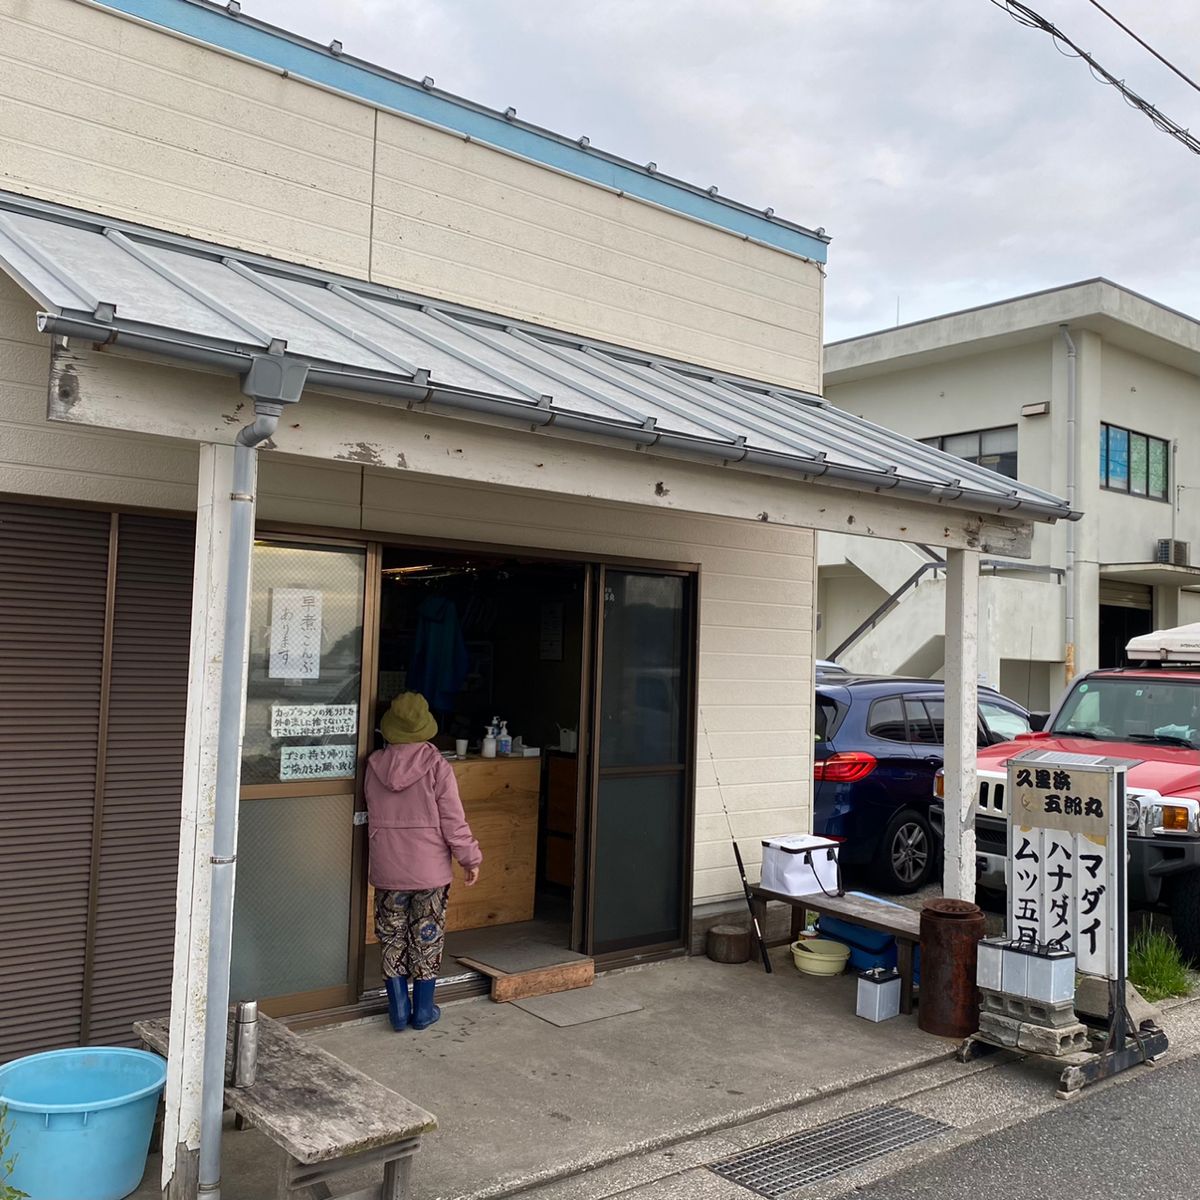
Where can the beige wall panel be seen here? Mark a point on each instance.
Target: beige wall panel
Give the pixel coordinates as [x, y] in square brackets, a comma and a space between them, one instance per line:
[459, 220]
[102, 113]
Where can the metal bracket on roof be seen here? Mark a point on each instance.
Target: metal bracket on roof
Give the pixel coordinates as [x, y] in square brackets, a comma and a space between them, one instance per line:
[277, 346]
[421, 378]
[106, 312]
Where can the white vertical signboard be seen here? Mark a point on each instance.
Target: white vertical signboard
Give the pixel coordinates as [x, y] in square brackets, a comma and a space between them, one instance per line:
[1066, 856]
[295, 634]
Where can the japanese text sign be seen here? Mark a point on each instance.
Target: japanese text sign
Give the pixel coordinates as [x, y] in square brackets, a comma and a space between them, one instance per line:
[295, 634]
[313, 720]
[1066, 847]
[317, 762]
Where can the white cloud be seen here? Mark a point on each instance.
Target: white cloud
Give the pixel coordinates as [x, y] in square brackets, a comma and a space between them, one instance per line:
[955, 157]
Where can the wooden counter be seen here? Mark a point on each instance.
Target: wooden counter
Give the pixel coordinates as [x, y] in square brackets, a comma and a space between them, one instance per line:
[500, 798]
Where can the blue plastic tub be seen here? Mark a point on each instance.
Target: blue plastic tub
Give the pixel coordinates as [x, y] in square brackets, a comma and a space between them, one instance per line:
[81, 1120]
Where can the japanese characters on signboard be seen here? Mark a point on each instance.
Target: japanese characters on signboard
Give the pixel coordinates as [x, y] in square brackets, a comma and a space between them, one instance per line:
[295, 634]
[1066, 851]
[317, 762]
[313, 720]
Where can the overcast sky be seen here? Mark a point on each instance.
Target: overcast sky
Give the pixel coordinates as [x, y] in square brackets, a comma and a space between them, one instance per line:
[955, 157]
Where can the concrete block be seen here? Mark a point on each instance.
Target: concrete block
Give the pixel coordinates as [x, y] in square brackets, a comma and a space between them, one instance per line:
[999, 1029]
[1034, 1012]
[1038, 1039]
[1091, 999]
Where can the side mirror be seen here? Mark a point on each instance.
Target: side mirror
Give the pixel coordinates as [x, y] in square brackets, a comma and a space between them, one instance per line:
[1037, 721]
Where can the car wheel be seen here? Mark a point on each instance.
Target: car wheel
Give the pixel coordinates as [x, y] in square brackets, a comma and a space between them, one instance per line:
[904, 862]
[1185, 916]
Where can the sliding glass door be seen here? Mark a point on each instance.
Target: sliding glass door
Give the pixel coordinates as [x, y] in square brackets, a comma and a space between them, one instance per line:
[641, 761]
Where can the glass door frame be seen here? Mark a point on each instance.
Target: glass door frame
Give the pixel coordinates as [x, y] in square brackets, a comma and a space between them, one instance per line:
[347, 994]
[594, 772]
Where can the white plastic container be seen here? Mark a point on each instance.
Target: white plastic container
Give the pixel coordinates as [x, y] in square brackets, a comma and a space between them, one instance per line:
[1051, 977]
[1014, 973]
[504, 742]
[988, 963]
[799, 864]
[878, 994]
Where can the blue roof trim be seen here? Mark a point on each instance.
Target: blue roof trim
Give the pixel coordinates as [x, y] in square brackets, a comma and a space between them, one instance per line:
[209, 23]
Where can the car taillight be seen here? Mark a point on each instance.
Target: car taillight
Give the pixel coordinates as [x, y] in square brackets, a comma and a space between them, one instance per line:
[844, 767]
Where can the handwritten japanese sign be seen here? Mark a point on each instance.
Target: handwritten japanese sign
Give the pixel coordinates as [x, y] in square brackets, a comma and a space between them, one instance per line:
[317, 762]
[1067, 857]
[313, 720]
[295, 634]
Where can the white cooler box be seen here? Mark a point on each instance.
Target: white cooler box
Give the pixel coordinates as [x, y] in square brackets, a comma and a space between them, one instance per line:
[799, 864]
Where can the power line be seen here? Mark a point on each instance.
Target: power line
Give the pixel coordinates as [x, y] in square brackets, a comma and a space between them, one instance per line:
[1145, 45]
[1025, 15]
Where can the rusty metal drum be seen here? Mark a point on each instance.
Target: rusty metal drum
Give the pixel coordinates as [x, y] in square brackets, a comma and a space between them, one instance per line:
[949, 1000]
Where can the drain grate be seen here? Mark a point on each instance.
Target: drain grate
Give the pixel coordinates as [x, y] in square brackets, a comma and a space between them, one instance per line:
[825, 1150]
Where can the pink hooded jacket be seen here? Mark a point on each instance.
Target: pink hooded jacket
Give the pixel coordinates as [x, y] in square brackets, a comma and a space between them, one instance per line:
[416, 819]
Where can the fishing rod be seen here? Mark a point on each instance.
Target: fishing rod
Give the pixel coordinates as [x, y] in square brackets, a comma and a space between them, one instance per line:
[737, 854]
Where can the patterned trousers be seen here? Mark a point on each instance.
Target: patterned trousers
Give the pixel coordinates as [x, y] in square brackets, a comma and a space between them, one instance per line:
[411, 928]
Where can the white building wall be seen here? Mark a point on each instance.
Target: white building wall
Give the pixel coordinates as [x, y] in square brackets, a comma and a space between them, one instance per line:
[756, 609]
[980, 384]
[100, 112]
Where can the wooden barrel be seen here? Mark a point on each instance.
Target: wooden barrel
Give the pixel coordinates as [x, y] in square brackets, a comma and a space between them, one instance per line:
[728, 944]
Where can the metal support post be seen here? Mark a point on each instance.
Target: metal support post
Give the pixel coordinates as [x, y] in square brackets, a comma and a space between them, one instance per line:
[962, 721]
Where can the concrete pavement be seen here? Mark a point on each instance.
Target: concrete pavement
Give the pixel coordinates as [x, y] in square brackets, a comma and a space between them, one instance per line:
[521, 1102]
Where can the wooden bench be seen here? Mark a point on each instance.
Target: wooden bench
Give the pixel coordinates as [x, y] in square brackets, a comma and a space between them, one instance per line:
[326, 1117]
[902, 923]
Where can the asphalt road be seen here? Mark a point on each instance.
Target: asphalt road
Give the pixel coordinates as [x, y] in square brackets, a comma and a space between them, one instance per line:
[1136, 1139]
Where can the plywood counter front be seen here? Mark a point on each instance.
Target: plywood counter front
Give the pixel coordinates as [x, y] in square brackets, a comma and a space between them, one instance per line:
[500, 798]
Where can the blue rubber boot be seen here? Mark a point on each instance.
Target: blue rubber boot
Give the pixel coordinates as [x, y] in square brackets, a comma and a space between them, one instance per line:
[425, 1012]
[399, 1008]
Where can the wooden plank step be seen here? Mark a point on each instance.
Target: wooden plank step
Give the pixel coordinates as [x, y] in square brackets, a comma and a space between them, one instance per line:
[580, 972]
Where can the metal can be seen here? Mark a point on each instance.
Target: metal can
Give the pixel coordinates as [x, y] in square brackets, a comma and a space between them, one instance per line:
[245, 1044]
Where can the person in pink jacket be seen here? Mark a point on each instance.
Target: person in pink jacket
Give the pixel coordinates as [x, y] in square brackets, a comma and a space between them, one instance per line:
[417, 825]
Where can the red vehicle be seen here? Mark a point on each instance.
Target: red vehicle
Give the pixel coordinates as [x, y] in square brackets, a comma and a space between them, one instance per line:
[1149, 713]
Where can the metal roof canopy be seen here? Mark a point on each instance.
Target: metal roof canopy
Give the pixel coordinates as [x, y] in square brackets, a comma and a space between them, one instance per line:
[108, 281]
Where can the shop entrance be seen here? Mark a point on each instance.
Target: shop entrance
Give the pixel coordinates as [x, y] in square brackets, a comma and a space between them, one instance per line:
[501, 643]
[586, 824]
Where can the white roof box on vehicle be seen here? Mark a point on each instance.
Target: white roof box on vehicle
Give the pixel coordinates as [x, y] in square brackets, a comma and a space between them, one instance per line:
[1178, 645]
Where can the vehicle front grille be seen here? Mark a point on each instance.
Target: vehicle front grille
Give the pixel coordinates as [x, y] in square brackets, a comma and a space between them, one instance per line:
[991, 797]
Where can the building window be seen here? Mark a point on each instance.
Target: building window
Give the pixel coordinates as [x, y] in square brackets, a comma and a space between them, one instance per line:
[1133, 462]
[995, 449]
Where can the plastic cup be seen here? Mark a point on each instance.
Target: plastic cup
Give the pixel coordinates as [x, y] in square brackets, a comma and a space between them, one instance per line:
[460, 747]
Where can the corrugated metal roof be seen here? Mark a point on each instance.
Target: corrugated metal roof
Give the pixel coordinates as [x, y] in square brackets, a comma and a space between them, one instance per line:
[110, 281]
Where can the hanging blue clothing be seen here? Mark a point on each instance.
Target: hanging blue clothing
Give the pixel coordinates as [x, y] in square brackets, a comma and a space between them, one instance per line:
[439, 663]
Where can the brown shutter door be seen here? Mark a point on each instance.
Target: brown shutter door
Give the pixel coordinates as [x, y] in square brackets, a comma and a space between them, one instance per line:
[53, 582]
[139, 845]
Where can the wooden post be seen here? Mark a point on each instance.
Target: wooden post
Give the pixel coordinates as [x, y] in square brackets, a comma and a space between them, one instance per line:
[181, 1126]
[962, 721]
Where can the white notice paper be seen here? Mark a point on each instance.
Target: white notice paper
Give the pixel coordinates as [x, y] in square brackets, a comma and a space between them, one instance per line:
[295, 634]
[317, 762]
[313, 720]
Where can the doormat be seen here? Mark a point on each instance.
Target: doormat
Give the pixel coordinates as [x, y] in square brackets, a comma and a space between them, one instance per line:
[577, 1007]
[814, 1154]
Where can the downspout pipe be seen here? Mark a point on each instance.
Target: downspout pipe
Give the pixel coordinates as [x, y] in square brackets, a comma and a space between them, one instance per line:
[1072, 456]
[274, 382]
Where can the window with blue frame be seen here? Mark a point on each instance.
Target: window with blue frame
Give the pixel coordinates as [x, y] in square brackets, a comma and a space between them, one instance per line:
[1132, 462]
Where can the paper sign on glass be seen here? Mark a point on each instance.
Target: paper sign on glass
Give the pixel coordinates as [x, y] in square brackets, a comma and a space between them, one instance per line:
[317, 762]
[295, 634]
[313, 720]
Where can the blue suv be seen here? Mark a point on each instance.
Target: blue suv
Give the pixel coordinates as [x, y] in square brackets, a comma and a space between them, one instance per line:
[878, 747]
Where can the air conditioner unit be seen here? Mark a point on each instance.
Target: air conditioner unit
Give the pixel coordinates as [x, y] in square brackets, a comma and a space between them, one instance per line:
[1172, 553]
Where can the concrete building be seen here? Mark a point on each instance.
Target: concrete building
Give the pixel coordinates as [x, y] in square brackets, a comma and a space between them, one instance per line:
[483, 364]
[1090, 391]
